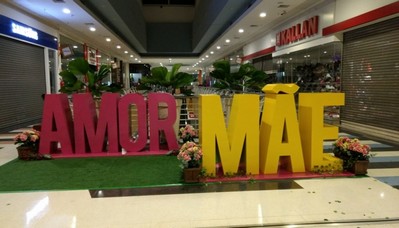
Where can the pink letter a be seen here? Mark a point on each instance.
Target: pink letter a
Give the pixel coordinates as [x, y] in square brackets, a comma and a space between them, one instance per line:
[56, 124]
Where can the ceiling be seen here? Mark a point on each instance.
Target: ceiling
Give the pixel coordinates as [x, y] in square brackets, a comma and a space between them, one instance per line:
[158, 32]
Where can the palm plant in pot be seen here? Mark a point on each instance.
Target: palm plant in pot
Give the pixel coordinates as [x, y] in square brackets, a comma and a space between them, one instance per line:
[173, 81]
[79, 77]
[247, 78]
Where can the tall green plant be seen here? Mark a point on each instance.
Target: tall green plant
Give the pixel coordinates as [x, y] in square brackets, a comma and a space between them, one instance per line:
[165, 80]
[247, 77]
[79, 77]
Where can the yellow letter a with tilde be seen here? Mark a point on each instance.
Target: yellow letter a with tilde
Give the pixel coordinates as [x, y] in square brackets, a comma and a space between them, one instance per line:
[279, 130]
[243, 129]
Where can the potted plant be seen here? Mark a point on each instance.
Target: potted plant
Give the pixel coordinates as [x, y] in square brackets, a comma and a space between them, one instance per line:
[187, 133]
[354, 154]
[28, 144]
[190, 156]
[172, 81]
[79, 77]
[247, 78]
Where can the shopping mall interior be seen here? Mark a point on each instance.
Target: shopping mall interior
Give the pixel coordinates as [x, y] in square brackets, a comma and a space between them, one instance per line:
[315, 72]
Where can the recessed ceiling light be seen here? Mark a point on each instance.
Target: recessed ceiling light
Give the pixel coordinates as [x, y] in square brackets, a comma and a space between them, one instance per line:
[92, 29]
[108, 39]
[74, 46]
[218, 47]
[207, 56]
[136, 60]
[227, 41]
[241, 30]
[126, 52]
[203, 58]
[118, 46]
[131, 56]
[263, 14]
[66, 11]
[212, 52]
[139, 61]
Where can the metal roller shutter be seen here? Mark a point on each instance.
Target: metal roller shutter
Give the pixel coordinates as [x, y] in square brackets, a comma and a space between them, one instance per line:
[370, 75]
[22, 82]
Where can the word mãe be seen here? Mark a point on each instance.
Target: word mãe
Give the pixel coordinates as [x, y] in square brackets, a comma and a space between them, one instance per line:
[281, 133]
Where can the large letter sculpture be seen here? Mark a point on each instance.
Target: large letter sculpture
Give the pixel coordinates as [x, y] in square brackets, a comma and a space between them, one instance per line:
[90, 133]
[125, 135]
[313, 131]
[166, 125]
[243, 129]
[57, 126]
[279, 134]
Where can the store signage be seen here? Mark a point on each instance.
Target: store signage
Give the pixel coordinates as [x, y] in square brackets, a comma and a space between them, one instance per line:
[24, 31]
[298, 32]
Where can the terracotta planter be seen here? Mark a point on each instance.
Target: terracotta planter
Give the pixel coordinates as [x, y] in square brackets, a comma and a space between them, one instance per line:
[191, 175]
[360, 167]
[26, 153]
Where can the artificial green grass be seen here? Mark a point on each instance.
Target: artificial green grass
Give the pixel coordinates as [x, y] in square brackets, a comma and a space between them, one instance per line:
[89, 173]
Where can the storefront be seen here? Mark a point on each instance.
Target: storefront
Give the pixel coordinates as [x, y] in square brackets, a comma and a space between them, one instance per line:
[371, 71]
[27, 71]
[343, 55]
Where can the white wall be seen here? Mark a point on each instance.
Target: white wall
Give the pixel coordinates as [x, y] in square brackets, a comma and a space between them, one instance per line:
[346, 9]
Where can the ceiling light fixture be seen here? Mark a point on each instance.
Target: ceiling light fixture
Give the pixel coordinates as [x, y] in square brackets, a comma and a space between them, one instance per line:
[263, 14]
[66, 11]
[227, 41]
[212, 52]
[241, 30]
[131, 56]
[126, 52]
[108, 39]
[218, 47]
[118, 46]
[92, 29]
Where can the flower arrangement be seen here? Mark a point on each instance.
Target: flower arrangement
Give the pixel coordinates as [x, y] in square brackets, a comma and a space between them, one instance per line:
[190, 155]
[351, 150]
[28, 138]
[187, 133]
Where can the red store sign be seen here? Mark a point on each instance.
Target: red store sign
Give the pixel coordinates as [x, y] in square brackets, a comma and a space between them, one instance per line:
[297, 32]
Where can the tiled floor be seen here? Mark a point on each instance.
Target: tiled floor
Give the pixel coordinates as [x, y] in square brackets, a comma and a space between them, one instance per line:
[328, 202]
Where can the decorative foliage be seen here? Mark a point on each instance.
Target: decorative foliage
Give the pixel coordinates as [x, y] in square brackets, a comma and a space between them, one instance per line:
[351, 150]
[247, 77]
[79, 77]
[28, 138]
[163, 80]
[187, 133]
[190, 155]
